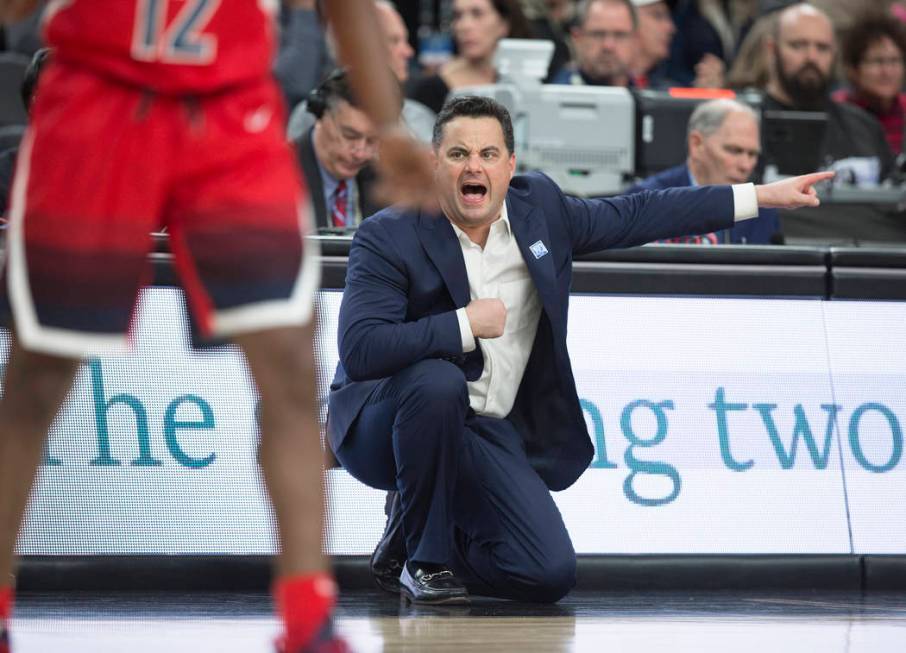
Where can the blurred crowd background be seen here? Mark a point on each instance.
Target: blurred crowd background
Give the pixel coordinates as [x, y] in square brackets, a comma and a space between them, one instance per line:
[756, 88]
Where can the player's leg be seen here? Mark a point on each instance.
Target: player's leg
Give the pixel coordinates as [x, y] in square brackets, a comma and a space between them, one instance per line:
[292, 462]
[237, 235]
[76, 250]
[34, 386]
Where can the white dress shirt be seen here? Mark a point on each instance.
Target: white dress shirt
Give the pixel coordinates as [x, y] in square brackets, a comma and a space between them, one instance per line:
[499, 271]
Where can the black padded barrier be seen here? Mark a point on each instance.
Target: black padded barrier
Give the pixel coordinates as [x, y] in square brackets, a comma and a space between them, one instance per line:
[858, 273]
[725, 270]
[731, 270]
[617, 573]
[883, 573]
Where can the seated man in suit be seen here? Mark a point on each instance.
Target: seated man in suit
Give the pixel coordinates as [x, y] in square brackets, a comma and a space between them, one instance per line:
[454, 385]
[335, 156]
[724, 145]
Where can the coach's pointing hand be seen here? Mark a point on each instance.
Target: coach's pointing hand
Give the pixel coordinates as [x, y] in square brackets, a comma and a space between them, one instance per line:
[791, 193]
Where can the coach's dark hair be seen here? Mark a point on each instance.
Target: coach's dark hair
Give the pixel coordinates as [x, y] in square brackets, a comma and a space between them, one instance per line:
[473, 106]
[32, 73]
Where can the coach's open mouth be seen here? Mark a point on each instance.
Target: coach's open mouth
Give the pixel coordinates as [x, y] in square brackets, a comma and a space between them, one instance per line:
[473, 192]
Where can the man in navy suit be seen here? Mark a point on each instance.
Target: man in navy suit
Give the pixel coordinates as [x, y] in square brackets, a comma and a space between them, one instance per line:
[454, 385]
[724, 145]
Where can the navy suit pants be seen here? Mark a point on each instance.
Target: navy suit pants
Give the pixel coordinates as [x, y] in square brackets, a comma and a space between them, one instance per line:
[469, 497]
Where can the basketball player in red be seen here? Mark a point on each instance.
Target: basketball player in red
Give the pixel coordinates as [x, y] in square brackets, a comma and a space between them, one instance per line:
[158, 113]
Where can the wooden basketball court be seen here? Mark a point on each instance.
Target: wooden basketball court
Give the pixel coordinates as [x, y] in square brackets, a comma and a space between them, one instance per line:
[719, 622]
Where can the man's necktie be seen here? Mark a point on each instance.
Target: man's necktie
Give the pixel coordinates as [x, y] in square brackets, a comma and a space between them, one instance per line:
[340, 202]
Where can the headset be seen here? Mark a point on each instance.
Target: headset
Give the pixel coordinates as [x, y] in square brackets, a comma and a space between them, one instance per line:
[320, 95]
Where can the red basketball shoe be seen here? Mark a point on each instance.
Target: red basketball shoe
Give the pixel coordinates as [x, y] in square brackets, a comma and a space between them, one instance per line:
[326, 641]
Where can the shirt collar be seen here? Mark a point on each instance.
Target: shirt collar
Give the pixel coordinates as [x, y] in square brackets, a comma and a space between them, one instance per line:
[692, 179]
[503, 222]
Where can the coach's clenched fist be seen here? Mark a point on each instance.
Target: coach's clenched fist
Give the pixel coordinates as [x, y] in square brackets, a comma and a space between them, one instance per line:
[487, 317]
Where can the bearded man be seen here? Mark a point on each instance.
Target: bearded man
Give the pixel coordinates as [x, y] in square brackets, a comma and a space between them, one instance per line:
[802, 52]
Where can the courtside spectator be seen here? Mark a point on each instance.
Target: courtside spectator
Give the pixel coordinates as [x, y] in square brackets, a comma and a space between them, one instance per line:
[605, 42]
[750, 67]
[873, 54]
[708, 35]
[417, 118]
[335, 156]
[654, 32]
[801, 52]
[724, 144]
[477, 26]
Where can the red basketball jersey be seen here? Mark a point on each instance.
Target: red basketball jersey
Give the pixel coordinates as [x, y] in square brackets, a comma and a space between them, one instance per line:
[171, 46]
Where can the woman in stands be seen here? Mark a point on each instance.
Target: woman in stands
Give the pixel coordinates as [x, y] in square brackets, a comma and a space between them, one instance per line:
[477, 27]
[873, 54]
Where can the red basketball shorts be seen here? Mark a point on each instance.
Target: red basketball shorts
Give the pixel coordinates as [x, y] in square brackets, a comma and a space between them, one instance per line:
[103, 165]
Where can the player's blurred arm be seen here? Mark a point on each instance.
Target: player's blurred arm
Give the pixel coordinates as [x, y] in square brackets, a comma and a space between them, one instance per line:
[405, 166]
[361, 49]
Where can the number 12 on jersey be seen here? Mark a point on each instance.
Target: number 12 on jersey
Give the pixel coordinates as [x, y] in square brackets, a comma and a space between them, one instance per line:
[182, 40]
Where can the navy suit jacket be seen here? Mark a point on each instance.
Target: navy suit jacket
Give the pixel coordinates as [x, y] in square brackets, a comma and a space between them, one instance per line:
[407, 276]
[763, 230]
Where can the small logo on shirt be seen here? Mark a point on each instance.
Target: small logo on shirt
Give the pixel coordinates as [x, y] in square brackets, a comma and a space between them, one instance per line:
[258, 120]
[538, 249]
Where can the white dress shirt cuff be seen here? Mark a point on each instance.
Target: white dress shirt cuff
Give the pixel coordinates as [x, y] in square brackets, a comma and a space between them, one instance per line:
[465, 331]
[745, 202]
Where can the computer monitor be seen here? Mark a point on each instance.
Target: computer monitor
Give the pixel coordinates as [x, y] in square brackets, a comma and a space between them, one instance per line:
[792, 142]
[583, 137]
[523, 61]
[661, 122]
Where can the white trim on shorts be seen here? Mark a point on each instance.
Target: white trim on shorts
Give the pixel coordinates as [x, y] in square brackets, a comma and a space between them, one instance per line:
[296, 310]
[33, 335]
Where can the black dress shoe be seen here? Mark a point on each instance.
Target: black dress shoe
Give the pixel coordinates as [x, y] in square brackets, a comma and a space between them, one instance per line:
[431, 585]
[390, 553]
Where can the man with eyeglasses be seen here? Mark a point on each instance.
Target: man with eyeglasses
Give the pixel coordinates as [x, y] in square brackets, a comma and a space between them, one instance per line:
[802, 51]
[336, 154]
[872, 54]
[604, 40]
